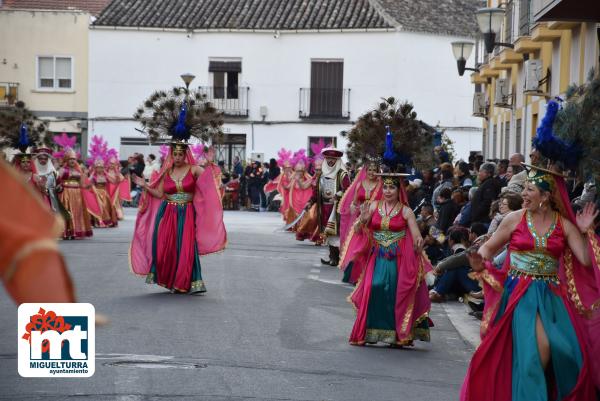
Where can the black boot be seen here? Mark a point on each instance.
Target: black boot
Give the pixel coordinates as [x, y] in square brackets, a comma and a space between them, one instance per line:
[328, 261]
[335, 256]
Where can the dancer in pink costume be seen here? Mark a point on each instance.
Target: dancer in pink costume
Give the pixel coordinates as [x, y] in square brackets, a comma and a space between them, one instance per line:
[300, 188]
[391, 298]
[180, 217]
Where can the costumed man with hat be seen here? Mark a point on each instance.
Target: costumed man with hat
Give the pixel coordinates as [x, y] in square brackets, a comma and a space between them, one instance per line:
[328, 191]
[22, 160]
[42, 161]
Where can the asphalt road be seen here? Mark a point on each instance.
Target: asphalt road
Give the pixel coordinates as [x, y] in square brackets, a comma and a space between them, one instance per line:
[273, 325]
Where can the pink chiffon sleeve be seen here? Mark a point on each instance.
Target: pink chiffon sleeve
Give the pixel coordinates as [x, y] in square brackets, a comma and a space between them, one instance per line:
[211, 235]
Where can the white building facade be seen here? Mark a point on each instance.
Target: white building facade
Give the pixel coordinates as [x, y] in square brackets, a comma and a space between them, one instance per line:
[277, 87]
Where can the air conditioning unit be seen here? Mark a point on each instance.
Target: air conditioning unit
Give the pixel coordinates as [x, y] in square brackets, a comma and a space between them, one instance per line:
[533, 75]
[502, 95]
[479, 105]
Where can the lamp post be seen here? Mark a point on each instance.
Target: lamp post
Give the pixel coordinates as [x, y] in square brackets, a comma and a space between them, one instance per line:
[462, 51]
[187, 79]
[490, 21]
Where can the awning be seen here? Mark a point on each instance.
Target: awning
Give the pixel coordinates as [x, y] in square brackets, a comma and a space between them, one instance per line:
[225, 66]
[569, 10]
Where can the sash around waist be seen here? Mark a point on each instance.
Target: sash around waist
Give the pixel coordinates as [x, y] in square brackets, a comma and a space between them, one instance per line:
[180, 197]
[386, 238]
[533, 264]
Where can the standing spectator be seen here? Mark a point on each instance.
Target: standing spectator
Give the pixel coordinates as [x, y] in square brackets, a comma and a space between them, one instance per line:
[502, 167]
[445, 183]
[237, 166]
[509, 202]
[447, 210]
[486, 193]
[152, 166]
[245, 186]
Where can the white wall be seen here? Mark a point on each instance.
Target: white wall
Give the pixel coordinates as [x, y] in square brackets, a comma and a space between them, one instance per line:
[126, 66]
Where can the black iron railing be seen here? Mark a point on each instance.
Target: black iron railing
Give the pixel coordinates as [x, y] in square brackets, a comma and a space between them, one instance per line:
[232, 100]
[324, 103]
[9, 93]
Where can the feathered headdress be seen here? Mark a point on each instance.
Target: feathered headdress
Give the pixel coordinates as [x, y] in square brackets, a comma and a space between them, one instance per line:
[17, 121]
[112, 156]
[98, 151]
[284, 157]
[299, 159]
[164, 151]
[316, 148]
[407, 136]
[180, 114]
[66, 144]
[198, 151]
[391, 158]
[553, 147]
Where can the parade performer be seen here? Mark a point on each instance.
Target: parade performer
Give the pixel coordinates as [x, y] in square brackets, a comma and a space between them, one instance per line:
[281, 183]
[365, 188]
[100, 183]
[300, 189]
[31, 266]
[73, 187]
[119, 186]
[23, 160]
[540, 327]
[42, 161]
[330, 188]
[391, 299]
[180, 215]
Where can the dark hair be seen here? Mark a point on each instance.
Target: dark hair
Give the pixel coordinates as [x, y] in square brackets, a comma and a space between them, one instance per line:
[504, 163]
[447, 174]
[151, 157]
[235, 176]
[140, 158]
[457, 236]
[478, 229]
[515, 201]
[221, 163]
[427, 206]
[272, 163]
[445, 193]
[464, 168]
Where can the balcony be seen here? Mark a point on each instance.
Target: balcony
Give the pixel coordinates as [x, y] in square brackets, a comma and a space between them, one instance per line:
[324, 103]
[9, 92]
[232, 101]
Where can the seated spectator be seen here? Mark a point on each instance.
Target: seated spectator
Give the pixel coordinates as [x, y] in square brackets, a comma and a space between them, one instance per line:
[508, 202]
[516, 181]
[432, 248]
[447, 210]
[426, 215]
[456, 280]
[487, 192]
[463, 218]
[446, 177]
[502, 168]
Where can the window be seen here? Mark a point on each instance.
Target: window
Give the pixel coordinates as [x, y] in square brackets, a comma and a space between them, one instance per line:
[495, 141]
[518, 136]
[55, 73]
[225, 78]
[506, 139]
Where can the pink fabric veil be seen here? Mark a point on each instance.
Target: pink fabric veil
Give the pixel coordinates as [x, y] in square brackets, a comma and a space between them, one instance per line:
[211, 236]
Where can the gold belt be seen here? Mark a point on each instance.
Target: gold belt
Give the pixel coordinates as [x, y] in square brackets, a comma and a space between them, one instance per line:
[516, 272]
[180, 198]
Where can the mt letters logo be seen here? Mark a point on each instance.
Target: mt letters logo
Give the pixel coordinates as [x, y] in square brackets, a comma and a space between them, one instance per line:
[56, 340]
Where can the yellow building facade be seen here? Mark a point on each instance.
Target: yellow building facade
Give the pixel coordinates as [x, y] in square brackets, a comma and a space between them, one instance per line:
[517, 82]
[44, 63]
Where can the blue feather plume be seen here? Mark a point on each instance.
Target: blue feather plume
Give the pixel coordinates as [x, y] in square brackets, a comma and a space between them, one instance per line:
[24, 142]
[391, 158]
[181, 131]
[553, 147]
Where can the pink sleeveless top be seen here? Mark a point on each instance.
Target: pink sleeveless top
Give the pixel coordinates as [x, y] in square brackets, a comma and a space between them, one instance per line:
[180, 191]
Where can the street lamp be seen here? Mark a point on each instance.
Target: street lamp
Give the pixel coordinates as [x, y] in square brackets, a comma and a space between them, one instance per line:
[187, 79]
[490, 22]
[462, 51]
